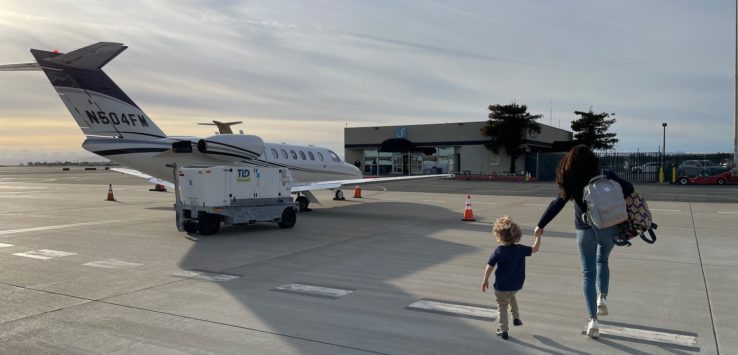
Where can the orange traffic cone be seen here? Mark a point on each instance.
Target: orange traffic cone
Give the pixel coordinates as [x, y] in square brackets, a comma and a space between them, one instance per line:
[468, 213]
[110, 193]
[357, 192]
[159, 188]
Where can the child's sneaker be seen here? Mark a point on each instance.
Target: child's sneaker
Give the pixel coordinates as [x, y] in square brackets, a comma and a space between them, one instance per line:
[601, 306]
[502, 334]
[593, 328]
[517, 322]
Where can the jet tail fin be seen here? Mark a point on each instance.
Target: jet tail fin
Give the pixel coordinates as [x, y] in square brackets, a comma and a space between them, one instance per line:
[98, 105]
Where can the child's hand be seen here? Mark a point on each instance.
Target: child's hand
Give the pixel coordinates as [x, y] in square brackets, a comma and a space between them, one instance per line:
[485, 285]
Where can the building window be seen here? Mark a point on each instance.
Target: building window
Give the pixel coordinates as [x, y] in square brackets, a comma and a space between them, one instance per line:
[494, 158]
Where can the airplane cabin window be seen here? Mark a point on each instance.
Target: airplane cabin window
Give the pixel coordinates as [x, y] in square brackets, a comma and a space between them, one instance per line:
[284, 153]
[302, 155]
[320, 156]
[312, 156]
[275, 155]
[294, 155]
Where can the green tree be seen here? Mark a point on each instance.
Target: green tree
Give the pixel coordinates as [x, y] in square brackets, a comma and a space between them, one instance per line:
[591, 129]
[507, 128]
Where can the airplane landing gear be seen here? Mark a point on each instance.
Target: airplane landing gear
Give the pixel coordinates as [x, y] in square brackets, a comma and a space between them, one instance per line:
[339, 196]
[303, 203]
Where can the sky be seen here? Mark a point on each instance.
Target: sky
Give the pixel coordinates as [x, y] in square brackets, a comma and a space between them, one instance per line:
[301, 71]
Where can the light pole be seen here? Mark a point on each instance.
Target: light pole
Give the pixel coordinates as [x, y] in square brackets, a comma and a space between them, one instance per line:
[663, 145]
[663, 156]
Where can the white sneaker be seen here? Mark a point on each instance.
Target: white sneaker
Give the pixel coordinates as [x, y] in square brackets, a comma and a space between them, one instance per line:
[593, 328]
[601, 306]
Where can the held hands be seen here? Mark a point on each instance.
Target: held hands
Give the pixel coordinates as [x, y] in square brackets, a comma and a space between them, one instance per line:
[485, 285]
[538, 232]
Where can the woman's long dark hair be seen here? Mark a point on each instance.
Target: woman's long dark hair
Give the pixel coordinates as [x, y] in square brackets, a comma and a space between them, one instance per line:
[575, 170]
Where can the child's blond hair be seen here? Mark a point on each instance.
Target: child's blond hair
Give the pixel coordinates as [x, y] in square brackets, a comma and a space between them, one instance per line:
[506, 231]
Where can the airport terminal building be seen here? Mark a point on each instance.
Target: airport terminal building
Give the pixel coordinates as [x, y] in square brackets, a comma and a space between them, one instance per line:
[441, 148]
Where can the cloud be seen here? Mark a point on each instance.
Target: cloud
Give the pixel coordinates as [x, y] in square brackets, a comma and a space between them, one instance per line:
[279, 66]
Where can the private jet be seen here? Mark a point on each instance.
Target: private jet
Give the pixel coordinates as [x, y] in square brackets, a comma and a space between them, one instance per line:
[118, 129]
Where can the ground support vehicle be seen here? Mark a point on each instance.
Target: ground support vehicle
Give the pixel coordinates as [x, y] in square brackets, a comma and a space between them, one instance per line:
[207, 196]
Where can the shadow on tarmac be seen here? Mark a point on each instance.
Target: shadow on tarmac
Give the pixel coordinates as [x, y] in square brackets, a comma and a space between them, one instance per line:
[380, 249]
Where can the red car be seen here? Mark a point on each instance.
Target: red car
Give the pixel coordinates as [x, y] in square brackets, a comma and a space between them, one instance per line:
[728, 177]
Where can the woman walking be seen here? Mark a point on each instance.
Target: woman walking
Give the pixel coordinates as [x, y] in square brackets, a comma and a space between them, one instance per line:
[574, 172]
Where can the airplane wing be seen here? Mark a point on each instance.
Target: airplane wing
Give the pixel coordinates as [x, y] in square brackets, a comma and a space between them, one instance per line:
[303, 186]
[335, 184]
[137, 173]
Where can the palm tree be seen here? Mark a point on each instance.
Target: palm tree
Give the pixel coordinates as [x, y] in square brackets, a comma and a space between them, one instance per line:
[507, 127]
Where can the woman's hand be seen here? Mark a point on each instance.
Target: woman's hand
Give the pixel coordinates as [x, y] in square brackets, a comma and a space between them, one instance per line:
[538, 232]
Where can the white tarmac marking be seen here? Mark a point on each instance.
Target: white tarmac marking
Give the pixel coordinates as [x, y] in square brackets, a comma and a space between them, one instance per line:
[113, 264]
[60, 226]
[314, 290]
[205, 276]
[728, 212]
[45, 254]
[3, 245]
[660, 210]
[436, 201]
[34, 256]
[650, 335]
[388, 199]
[485, 203]
[454, 308]
[535, 204]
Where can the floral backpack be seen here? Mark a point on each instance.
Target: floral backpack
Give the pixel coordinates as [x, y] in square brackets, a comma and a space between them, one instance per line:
[639, 222]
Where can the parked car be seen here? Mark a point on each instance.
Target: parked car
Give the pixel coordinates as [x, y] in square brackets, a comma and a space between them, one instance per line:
[652, 167]
[692, 168]
[726, 177]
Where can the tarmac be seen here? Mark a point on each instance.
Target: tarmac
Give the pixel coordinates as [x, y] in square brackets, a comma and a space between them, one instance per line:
[395, 272]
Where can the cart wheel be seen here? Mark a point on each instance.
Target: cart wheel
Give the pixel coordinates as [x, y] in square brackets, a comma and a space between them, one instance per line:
[190, 227]
[208, 224]
[683, 181]
[721, 182]
[288, 218]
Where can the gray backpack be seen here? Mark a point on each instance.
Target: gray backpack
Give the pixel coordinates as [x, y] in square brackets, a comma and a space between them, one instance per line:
[605, 203]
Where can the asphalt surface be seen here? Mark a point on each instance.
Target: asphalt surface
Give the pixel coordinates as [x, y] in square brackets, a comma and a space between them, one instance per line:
[396, 272]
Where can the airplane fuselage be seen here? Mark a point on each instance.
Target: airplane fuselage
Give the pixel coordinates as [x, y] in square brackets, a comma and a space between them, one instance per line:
[151, 156]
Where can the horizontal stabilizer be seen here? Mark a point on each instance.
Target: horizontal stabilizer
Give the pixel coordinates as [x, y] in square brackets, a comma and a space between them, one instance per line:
[92, 57]
[20, 67]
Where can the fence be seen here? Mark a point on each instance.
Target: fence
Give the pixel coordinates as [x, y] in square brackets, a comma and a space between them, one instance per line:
[635, 167]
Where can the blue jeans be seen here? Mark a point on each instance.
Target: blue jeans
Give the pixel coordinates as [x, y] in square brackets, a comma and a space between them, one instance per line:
[595, 246]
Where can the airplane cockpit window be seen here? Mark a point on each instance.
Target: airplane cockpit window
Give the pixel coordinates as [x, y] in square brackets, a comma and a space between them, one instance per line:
[312, 156]
[294, 155]
[302, 155]
[284, 153]
[275, 155]
[334, 156]
[320, 156]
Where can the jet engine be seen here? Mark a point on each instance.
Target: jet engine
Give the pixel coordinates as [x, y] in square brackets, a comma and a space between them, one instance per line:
[232, 147]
